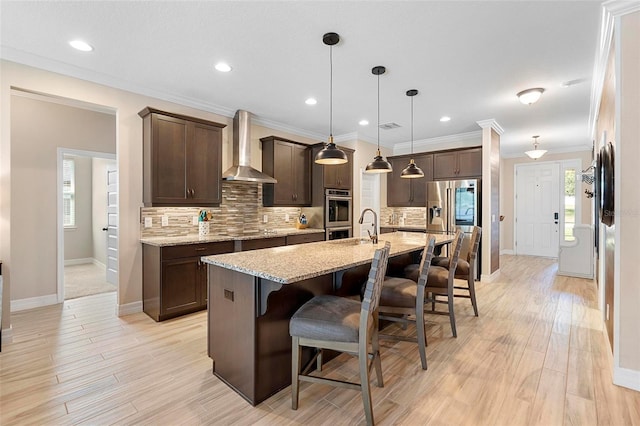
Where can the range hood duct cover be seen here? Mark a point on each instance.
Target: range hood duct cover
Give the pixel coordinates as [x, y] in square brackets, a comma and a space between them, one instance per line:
[241, 171]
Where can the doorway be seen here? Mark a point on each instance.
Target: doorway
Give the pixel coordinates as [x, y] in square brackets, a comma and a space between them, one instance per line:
[87, 194]
[537, 201]
[369, 198]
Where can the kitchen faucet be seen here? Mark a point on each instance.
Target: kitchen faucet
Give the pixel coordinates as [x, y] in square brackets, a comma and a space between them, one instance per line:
[374, 237]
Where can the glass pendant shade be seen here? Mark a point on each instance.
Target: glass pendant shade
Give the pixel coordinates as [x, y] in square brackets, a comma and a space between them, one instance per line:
[536, 153]
[379, 164]
[331, 155]
[412, 171]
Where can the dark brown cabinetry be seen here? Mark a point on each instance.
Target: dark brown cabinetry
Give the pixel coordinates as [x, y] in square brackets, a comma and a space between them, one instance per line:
[182, 159]
[458, 164]
[304, 238]
[174, 279]
[289, 163]
[336, 177]
[408, 192]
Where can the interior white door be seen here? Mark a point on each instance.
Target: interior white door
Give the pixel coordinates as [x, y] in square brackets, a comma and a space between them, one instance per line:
[112, 227]
[537, 209]
[369, 198]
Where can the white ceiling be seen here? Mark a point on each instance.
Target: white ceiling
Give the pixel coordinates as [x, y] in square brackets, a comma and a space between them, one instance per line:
[467, 59]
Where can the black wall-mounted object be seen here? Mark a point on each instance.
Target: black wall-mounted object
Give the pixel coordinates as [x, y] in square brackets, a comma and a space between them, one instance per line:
[605, 184]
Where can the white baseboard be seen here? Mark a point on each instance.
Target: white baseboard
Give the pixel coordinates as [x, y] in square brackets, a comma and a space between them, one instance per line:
[33, 302]
[98, 263]
[507, 251]
[129, 308]
[7, 335]
[627, 378]
[81, 261]
[489, 278]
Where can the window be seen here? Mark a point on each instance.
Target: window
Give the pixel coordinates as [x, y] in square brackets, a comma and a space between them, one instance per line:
[569, 203]
[69, 192]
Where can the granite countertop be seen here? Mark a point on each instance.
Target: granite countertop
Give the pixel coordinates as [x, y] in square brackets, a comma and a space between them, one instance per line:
[290, 264]
[195, 239]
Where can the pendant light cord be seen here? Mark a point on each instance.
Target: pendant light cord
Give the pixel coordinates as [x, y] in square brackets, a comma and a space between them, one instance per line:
[378, 113]
[331, 92]
[412, 125]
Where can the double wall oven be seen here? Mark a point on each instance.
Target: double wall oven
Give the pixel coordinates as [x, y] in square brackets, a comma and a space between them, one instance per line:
[338, 208]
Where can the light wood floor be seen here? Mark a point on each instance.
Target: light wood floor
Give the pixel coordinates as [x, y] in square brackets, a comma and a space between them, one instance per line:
[536, 355]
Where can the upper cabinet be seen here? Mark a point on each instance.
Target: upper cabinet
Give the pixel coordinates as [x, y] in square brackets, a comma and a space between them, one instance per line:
[408, 192]
[458, 164]
[182, 159]
[289, 163]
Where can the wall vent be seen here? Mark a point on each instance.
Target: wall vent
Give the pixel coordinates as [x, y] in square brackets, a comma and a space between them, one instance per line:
[389, 126]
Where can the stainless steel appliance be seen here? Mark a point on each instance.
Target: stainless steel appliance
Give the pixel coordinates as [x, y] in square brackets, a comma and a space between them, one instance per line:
[338, 208]
[453, 205]
[338, 233]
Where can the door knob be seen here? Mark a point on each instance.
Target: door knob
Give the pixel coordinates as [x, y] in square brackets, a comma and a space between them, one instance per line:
[105, 229]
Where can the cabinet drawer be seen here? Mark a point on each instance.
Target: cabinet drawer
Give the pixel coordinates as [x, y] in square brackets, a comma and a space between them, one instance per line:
[200, 249]
[304, 238]
[244, 245]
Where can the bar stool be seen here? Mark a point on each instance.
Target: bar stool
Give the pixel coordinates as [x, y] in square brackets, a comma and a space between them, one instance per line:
[344, 325]
[407, 297]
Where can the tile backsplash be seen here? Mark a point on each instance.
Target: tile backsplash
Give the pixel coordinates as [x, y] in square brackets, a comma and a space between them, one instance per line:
[240, 213]
[415, 216]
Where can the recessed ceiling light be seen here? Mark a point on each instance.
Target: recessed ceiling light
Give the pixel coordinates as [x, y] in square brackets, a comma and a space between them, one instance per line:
[444, 119]
[311, 101]
[223, 67]
[81, 45]
[363, 122]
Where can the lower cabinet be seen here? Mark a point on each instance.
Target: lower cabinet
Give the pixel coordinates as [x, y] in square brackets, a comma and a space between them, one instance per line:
[174, 279]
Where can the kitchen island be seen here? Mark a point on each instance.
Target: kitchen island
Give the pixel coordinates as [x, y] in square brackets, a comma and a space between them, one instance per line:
[252, 296]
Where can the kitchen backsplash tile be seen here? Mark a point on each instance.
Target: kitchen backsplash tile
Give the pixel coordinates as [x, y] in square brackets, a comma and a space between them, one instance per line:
[240, 213]
[415, 216]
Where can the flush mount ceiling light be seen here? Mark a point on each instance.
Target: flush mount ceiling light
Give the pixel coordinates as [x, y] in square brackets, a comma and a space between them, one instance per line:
[536, 153]
[444, 119]
[331, 154]
[311, 101]
[80, 45]
[412, 171]
[530, 96]
[223, 67]
[379, 164]
[363, 122]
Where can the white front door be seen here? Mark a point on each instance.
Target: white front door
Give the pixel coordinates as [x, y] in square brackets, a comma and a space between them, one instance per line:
[537, 209]
[112, 227]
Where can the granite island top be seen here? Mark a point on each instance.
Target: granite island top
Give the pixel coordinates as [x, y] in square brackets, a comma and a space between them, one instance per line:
[290, 264]
[195, 239]
[422, 228]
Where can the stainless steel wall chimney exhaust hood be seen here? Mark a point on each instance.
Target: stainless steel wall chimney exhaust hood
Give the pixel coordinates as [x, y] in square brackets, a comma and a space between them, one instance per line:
[241, 171]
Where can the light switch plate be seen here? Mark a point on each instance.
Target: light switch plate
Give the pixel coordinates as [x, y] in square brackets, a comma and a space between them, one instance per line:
[404, 215]
[194, 220]
[165, 220]
[286, 217]
[265, 218]
[148, 222]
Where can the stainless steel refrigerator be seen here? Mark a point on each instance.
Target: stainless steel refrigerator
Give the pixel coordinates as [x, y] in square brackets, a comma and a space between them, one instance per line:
[452, 205]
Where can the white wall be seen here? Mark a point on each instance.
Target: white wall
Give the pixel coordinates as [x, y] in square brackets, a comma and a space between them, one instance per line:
[78, 240]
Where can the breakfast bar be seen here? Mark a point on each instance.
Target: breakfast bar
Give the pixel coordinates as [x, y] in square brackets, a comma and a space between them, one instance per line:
[252, 296]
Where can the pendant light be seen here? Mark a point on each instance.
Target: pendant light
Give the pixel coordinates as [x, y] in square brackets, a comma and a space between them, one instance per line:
[536, 153]
[331, 154]
[412, 171]
[379, 164]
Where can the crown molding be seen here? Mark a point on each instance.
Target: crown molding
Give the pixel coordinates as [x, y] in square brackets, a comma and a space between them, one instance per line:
[458, 140]
[492, 123]
[59, 100]
[346, 137]
[610, 10]
[276, 125]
